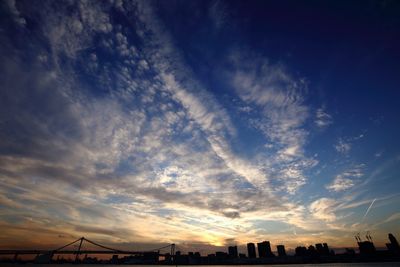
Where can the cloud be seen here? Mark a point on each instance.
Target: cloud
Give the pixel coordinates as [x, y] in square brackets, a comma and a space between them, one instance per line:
[70, 33]
[323, 209]
[7, 202]
[391, 218]
[342, 146]
[282, 113]
[156, 147]
[340, 184]
[218, 14]
[201, 106]
[245, 109]
[346, 179]
[322, 119]
[12, 6]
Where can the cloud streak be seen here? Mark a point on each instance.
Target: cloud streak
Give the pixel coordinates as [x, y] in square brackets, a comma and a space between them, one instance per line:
[369, 208]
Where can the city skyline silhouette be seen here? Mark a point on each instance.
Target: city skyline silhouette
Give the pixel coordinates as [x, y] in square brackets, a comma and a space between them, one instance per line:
[320, 253]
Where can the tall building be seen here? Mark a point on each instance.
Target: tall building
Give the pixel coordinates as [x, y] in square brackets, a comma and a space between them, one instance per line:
[326, 249]
[232, 251]
[281, 250]
[393, 246]
[320, 248]
[264, 250]
[366, 248]
[394, 242]
[251, 250]
[301, 251]
[221, 255]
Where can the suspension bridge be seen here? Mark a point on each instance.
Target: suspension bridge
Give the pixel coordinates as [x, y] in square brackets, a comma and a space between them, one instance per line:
[77, 248]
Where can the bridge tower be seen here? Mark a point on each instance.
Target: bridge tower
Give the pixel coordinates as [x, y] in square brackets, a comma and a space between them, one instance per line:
[79, 249]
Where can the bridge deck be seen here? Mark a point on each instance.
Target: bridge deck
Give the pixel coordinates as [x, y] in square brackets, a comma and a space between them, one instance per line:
[63, 250]
[26, 252]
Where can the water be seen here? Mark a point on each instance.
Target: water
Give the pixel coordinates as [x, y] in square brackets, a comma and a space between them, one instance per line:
[375, 264]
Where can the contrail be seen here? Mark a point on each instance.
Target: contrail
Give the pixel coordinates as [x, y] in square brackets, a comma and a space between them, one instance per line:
[370, 206]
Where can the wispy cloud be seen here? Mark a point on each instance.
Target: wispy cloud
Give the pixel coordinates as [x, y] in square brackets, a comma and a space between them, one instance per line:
[282, 115]
[391, 218]
[167, 154]
[323, 209]
[12, 6]
[322, 118]
[346, 179]
[218, 14]
[342, 146]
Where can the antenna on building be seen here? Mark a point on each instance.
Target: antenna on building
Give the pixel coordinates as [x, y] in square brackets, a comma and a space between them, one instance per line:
[358, 238]
[368, 236]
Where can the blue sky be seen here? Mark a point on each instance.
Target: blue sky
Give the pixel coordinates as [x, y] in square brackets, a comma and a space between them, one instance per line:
[203, 123]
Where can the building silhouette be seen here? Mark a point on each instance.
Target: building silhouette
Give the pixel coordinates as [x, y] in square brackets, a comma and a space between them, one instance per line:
[301, 251]
[221, 255]
[264, 250]
[366, 248]
[319, 253]
[251, 250]
[326, 249]
[322, 249]
[393, 246]
[281, 250]
[232, 251]
[312, 251]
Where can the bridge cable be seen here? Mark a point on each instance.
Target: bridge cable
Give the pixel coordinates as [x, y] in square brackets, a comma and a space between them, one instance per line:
[96, 244]
[162, 247]
[67, 245]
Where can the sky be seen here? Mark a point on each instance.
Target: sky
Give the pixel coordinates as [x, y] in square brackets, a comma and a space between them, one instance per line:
[199, 123]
